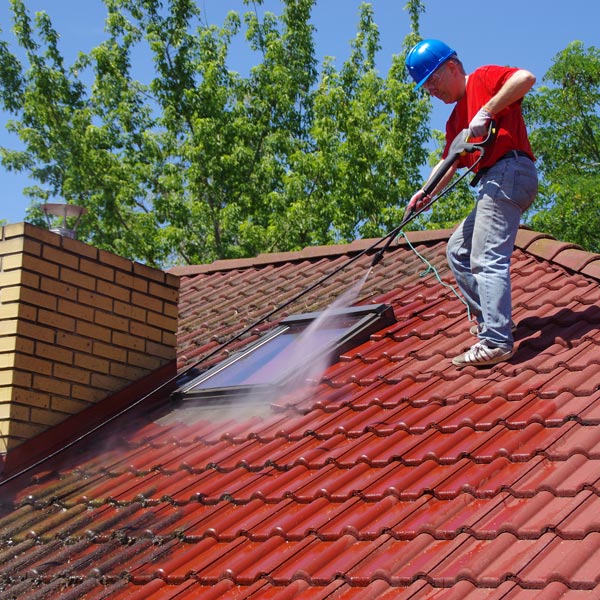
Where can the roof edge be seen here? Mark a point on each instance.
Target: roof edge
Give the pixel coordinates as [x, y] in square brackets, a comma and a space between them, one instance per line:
[541, 245]
[308, 253]
[565, 254]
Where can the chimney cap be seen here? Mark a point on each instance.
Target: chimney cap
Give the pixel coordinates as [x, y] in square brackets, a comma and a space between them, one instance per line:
[65, 211]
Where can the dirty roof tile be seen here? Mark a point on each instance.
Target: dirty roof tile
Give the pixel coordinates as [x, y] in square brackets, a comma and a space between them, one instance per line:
[397, 476]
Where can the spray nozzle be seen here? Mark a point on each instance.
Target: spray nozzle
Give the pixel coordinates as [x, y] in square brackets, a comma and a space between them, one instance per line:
[377, 258]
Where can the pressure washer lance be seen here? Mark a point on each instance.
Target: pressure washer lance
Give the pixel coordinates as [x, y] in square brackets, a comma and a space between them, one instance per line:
[460, 146]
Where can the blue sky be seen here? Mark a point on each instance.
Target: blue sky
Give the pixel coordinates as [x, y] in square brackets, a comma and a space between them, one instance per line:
[522, 33]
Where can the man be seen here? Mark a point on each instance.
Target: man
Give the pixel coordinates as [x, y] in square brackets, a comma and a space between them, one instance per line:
[479, 250]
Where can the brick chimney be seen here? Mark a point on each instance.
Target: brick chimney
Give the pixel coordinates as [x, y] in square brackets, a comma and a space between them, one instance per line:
[76, 325]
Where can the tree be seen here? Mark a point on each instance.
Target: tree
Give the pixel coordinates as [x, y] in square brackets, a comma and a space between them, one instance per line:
[366, 142]
[92, 150]
[566, 140]
[200, 162]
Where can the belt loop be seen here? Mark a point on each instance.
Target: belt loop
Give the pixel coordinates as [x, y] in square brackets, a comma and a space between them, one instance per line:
[478, 176]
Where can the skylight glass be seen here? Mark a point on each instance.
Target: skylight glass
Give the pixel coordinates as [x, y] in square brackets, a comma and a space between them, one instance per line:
[280, 355]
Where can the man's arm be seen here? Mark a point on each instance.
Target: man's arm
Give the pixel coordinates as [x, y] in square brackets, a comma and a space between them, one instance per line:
[515, 87]
[420, 199]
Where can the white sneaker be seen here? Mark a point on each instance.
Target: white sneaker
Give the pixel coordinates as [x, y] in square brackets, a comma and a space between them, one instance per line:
[481, 355]
[476, 329]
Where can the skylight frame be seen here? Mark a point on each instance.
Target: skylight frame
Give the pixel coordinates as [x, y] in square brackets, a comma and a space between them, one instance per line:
[368, 319]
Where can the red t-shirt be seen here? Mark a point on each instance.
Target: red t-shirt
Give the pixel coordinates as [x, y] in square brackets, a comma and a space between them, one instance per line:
[482, 84]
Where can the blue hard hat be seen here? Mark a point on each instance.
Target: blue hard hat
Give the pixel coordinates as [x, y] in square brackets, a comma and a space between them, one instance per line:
[425, 58]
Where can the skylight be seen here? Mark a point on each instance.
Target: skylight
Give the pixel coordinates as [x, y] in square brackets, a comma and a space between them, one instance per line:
[281, 355]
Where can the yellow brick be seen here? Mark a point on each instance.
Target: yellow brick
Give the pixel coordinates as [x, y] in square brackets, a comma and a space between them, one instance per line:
[21, 431]
[12, 246]
[37, 298]
[9, 311]
[51, 385]
[77, 311]
[32, 246]
[145, 331]
[13, 230]
[46, 418]
[20, 412]
[125, 340]
[113, 260]
[37, 332]
[170, 310]
[19, 277]
[147, 272]
[4, 411]
[32, 364]
[68, 405]
[93, 331]
[114, 291]
[58, 289]
[87, 394]
[39, 266]
[97, 270]
[7, 360]
[91, 363]
[10, 278]
[150, 363]
[129, 311]
[13, 343]
[111, 320]
[73, 342]
[128, 372]
[31, 397]
[166, 293]
[12, 262]
[169, 339]
[162, 322]
[54, 352]
[8, 326]
[77, 279]
[146, 301]
[27, 312]
[37, 235]
[6, 443]
[167, 352]
[111, 352]
[6, 378]
[94, 299]
[60, 257]
[79, 248]
[4, 437]
[106, 382]
[10, 294]
[133, 283]
[72, 374]
[19, 378]
[56, 320]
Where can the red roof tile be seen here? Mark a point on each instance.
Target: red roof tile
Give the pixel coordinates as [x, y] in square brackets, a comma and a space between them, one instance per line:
[398, 476]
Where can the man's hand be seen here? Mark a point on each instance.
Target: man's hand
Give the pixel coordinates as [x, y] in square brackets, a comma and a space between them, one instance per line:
[480, 123]
[417, 202]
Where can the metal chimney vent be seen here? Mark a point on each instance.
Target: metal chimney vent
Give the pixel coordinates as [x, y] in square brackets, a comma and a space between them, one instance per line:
[64, 211]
